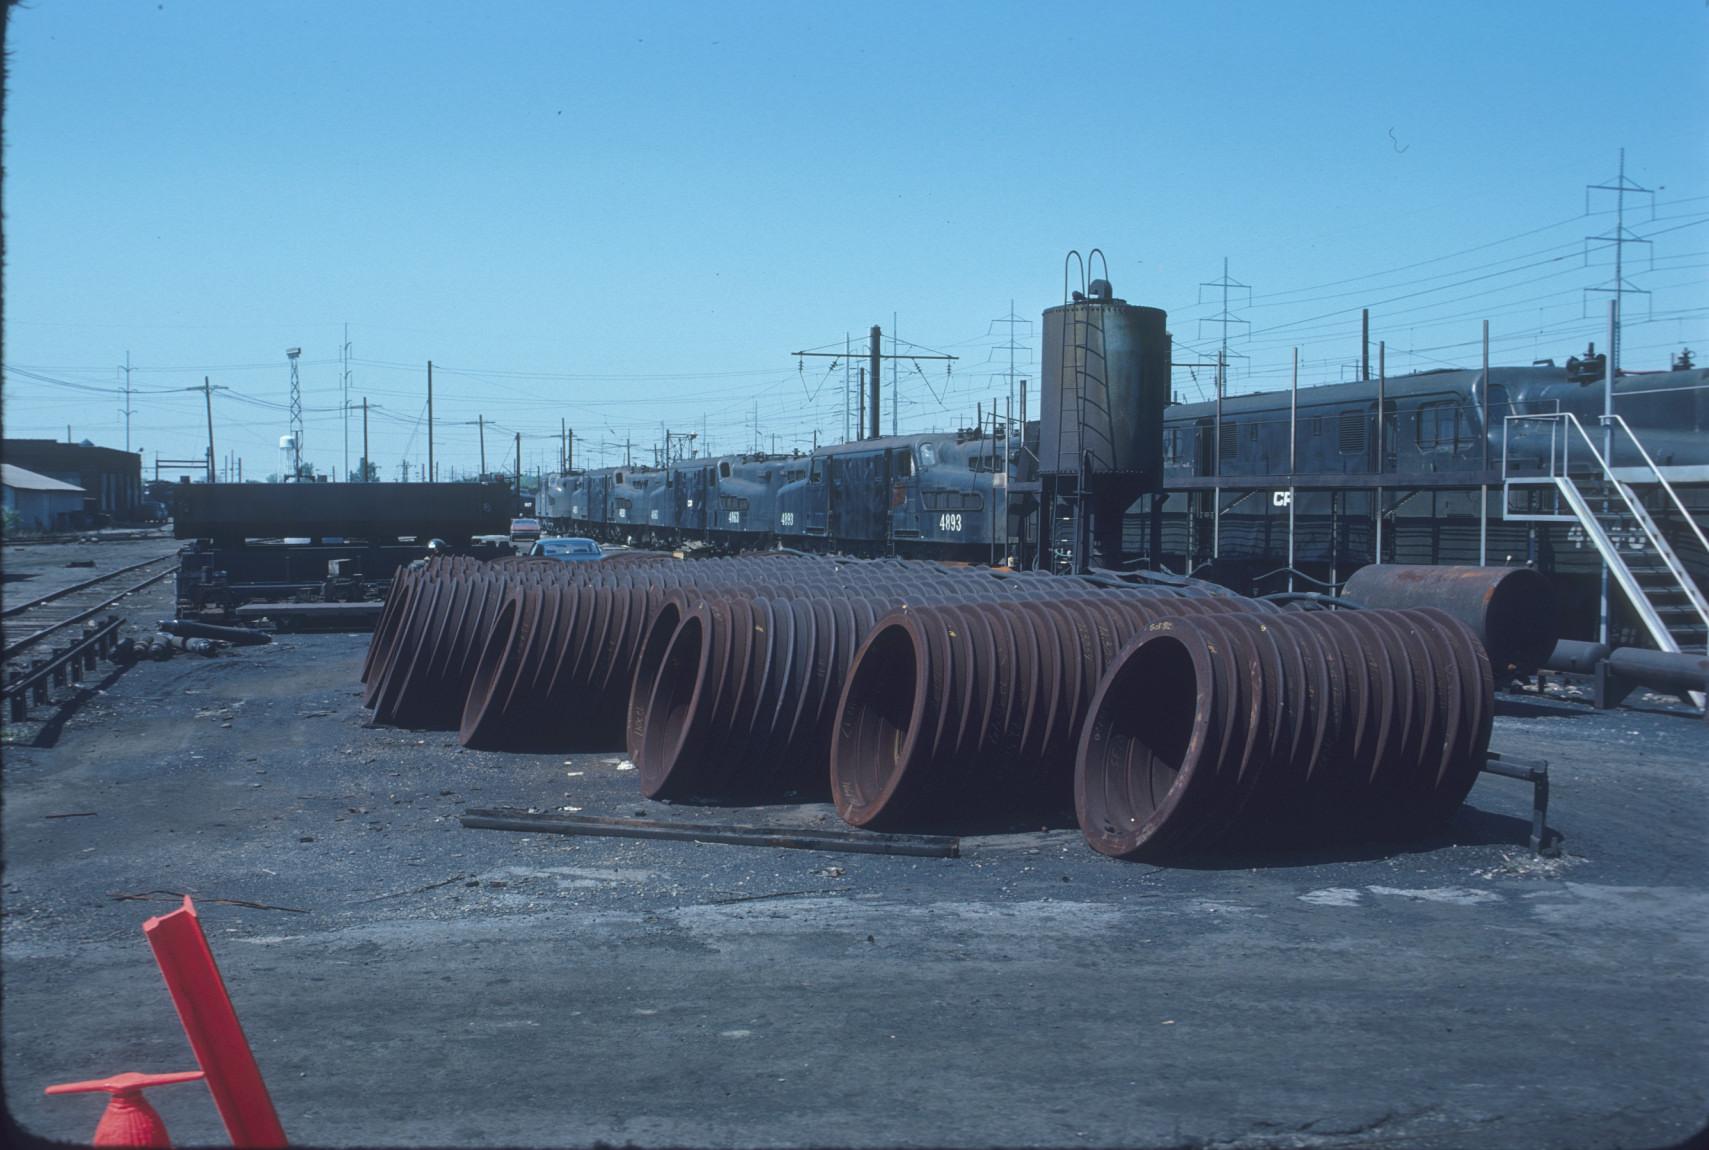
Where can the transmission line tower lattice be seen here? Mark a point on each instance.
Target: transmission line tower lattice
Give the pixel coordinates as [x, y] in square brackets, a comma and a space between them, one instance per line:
[1225, 319]
[293, 354]
[1617, 239]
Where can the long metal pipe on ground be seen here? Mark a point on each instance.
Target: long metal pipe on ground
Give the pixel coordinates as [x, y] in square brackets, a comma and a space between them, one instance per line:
[1510, 609]
[1283, 729]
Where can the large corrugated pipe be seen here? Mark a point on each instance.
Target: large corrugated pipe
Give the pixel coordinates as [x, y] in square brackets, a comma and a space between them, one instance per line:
[1293, 728]
[1510, 609]
[430, 666]
[556, 670]
[743, 692]
[954, 710]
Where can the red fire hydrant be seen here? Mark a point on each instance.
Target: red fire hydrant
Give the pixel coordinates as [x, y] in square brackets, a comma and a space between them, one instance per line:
[128, 1120]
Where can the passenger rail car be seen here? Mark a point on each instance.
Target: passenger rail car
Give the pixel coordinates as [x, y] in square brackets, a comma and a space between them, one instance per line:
[937, 495]
[1228, 488]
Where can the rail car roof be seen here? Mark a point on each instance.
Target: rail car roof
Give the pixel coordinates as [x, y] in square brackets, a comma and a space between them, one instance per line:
[1429, 382]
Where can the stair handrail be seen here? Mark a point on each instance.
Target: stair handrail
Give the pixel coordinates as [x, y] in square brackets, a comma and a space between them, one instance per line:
[1639, 601]
[1552, 418]
[1672, 495]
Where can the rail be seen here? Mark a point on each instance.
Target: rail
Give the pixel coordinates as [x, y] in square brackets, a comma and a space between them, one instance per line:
[70, 664]
[13, 649]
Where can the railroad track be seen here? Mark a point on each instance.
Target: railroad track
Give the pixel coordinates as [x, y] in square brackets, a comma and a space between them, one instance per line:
[26, 625]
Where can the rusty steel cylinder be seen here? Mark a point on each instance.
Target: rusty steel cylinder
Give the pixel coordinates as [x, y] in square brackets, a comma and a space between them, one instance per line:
[428, 669]
[1283, 729]
[955, 710]
[1510, 609]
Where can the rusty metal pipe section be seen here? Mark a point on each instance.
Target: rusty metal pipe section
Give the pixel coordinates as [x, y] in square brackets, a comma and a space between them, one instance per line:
[560, 668]
[1510, 609]
[1283, 729]
[956, 710]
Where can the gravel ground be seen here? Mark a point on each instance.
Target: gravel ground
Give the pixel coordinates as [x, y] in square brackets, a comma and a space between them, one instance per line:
[414, 982]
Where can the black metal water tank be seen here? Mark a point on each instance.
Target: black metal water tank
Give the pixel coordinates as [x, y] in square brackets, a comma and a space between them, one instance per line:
[1120, 354]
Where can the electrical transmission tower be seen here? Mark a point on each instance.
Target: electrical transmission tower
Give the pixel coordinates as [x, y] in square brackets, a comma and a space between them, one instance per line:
[344, 393]
[1011, 321]
[293, 354]
[1224, 319]
[1618, 239]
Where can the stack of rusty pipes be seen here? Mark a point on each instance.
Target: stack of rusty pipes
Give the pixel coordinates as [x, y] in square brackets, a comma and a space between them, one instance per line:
[916, 695]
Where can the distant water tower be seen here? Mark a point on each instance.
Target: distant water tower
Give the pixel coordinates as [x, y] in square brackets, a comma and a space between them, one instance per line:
[288, 457]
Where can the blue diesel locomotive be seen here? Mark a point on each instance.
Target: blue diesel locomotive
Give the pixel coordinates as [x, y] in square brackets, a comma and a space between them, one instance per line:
[940, 495]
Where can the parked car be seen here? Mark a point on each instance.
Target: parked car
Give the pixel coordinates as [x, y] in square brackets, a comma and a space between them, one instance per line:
[571, 549]
[524, 530]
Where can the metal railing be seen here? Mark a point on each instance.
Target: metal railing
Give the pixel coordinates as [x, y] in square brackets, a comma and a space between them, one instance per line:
[1590, 462]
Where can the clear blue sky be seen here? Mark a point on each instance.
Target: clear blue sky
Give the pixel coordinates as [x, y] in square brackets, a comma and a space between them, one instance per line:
[627, 216]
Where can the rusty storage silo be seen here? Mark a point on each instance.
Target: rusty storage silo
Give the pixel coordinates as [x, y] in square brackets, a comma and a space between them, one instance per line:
[1105, 379]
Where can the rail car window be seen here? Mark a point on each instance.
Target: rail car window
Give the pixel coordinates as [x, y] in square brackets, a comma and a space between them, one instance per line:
[724, 469]
[620, 477]
[1230, 442]
[817, 474]
[732, 503]
[1350, 434]
[903, 461]
[1438, 424]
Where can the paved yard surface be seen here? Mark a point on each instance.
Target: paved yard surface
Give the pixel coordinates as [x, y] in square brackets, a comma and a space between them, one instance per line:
[413, 982]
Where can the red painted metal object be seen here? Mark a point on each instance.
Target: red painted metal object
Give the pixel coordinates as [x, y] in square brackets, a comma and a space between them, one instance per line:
[211, 1024]
[128, 1120]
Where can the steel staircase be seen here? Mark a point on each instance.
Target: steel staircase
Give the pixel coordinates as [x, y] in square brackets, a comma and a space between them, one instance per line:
[1552, 471]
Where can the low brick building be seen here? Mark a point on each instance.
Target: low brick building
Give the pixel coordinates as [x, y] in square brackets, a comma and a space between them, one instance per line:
[111, 479]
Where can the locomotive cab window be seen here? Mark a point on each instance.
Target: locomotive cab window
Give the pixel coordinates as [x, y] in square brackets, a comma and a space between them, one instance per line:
[928, 455]
[817, 474]
[903, 460]
[724, 469]
[1438, 424]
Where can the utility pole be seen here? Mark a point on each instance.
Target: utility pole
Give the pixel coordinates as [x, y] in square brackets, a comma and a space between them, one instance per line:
[481, 422]
[569, 448]
[344, 398]
[208, 395]
[127, 402]
[207, 389]
[519, 465]
[563, 443]
[872, 395]
[365, 439]
[430, 470]
[1364, 344]
[869, 420]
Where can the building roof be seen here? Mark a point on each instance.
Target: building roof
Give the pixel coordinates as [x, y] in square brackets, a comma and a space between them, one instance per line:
[21, 480]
